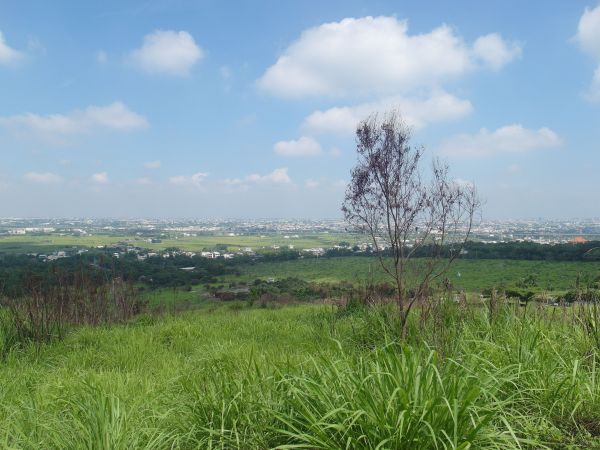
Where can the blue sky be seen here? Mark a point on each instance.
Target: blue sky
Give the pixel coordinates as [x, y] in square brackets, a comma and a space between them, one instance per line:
[246, 109]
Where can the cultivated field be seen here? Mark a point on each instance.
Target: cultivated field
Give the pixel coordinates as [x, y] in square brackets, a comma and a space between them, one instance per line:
[49, 243]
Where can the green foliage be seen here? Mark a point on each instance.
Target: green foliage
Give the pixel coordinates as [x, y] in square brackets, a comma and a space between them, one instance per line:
[312, 377]
[467, 274]
[396, 397]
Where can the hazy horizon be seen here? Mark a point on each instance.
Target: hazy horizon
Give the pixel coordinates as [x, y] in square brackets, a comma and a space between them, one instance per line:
[595, 220]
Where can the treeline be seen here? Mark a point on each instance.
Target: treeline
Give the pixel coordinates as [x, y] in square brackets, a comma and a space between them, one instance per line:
[17, 273]
[589, 251]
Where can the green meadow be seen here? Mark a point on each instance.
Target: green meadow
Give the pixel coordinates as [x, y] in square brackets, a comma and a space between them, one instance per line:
[470, 275]
[311, 377]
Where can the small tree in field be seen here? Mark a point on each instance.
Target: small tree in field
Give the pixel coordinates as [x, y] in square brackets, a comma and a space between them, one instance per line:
[406, 214]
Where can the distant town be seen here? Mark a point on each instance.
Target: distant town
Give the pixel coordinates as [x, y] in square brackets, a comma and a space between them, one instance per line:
[51, 239]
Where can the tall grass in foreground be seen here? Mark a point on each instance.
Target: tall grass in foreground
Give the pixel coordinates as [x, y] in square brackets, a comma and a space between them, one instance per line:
[311, 377]
[393, 398]
[396, 398]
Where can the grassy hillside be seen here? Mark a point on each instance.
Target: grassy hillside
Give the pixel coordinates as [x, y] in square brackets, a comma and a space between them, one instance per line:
[308, 377]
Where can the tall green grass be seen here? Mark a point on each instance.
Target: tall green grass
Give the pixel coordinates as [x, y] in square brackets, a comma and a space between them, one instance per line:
[310, 377]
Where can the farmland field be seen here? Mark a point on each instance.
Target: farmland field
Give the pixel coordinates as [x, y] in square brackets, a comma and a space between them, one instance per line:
[471, 275]
[48, 243]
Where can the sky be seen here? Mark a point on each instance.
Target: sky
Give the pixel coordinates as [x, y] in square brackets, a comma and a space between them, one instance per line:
[222, 109]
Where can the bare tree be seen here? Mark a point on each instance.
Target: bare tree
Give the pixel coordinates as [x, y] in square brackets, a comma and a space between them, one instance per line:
[408, 217]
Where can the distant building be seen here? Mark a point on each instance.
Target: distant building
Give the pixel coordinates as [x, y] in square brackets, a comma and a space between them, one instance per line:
[578, 240]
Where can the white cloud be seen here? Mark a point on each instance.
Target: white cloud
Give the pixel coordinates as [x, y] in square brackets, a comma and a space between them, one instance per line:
[588, 31]
[167, 52]
[196, 179]
[8, 55]
[311, 184]
[509, 139]
[588, 37]
[115, 116]
[42, 177]
[377, 55]
[305, 146]
[593, 93]
[417, 112]
[100, 178]
[494, 51]
[278, 176]
[152, 165]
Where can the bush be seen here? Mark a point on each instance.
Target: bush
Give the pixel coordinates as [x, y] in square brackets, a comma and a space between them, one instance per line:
[46, 312]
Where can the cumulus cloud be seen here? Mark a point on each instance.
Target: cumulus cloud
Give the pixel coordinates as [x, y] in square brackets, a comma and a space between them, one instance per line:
[494, 51]
[42, 177]
[509, 139]
[588, 37]
[152, 165]
[278, 176]
[8, 55]
[417, 113]
[194, 180]
[305, 146]
[588, 31]
[167, 52]
[100, 178]
[115, 116]
[367, 55]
